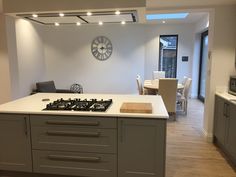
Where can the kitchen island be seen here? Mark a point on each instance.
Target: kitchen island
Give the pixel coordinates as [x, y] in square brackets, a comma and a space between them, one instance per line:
[82, 143]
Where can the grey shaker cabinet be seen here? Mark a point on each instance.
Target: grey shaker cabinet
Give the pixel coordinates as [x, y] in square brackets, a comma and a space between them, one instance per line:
[141, 147]
[15, 147]
[221, 107]
[225, 127]
[231, 133]
[74, 145]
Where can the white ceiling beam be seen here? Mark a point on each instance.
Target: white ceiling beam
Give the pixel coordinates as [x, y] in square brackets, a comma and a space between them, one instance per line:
[14, 6]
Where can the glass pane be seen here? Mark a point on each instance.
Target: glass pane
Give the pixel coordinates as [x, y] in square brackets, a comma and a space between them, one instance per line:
[168, 55]
[204, 66]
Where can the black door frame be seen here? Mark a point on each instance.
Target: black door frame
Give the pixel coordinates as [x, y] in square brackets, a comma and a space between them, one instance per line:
[203, 35]
[177, 42]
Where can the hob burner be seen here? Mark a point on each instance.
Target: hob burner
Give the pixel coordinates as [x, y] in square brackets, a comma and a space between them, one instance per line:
[79, 105]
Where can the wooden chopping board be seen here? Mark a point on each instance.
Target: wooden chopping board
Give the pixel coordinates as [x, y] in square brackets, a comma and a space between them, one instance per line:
[132, 107]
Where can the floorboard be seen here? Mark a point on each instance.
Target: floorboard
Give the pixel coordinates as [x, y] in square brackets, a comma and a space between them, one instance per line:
[188, 153]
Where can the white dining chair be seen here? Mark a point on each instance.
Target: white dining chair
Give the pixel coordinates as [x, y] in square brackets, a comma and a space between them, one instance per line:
[141, 89]
[167, 90]
[159, 74]
[139, 84]
[184, 80]
[180, 91]
[182, 99]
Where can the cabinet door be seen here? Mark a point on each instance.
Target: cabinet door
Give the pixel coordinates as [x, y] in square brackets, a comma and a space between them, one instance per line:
[141, 148]
[231, 133]
[15, 148]
[220, 119]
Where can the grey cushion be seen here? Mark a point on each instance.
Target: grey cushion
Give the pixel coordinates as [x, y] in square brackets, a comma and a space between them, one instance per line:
[48, 87]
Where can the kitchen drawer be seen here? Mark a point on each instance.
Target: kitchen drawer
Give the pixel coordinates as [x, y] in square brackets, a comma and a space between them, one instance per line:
[74, 139]
[75, 121]
[78, 164]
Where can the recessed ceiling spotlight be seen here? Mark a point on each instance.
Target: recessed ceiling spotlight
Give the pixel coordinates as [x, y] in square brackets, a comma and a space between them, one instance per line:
[89, 13]
[61, 14]
[100, 23]
[35, 15]
[123, 22]
[57, 24]
[117, 12]
[163, 21]
[78, 23]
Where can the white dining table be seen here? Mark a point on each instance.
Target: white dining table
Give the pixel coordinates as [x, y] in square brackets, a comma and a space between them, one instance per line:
[154, 85]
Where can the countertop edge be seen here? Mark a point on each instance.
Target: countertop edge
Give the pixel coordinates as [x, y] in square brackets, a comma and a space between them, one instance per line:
[122, 115]
[227, 96]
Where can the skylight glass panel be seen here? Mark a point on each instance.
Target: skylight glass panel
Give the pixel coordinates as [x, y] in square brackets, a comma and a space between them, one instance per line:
[166, 16]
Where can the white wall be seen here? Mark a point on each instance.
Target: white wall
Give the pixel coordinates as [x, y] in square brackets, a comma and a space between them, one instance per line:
[200, 27]
[185, 47]
[5, 91]
[63, 54]
[69, 59]
[221, 63]
[26, 53]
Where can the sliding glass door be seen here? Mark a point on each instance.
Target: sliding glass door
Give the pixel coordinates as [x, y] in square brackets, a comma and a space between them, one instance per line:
[168, 55]
[203, 66]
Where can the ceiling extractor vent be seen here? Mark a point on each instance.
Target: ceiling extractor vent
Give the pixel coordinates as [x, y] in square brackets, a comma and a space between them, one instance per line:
[128, 16]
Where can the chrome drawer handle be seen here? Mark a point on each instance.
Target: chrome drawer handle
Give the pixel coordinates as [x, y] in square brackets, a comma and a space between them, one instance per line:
[74, 158]
[73, 133]
[84, 123]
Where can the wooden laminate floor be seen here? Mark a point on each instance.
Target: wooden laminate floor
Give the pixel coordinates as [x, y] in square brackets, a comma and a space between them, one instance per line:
[188, 153]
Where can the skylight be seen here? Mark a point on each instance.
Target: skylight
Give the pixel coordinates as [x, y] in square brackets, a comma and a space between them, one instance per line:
[166, 16]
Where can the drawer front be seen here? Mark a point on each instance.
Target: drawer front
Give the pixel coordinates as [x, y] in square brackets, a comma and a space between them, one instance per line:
[78, 164]
[74, 139]
[75, 121]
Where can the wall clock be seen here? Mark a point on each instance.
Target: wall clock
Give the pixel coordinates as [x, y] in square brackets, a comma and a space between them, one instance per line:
[101, 48]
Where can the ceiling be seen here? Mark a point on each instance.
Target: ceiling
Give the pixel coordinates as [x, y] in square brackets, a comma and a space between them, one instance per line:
[161, 4]
[72, 18]
[132, 14]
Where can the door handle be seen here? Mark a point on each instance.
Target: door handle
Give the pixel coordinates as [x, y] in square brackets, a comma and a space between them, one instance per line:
[73, 133]
[83, 123]
[121, 130]
[26, 126]
[225, 110]
[74, 158]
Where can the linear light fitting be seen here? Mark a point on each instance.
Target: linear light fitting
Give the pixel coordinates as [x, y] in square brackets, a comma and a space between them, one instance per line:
[166, 16]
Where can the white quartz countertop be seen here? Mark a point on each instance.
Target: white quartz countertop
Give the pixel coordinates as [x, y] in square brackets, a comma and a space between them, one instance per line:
[34, 105]
[227, 96]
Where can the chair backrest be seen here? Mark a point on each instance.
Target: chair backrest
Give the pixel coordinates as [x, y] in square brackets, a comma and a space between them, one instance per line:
[184, 80]
[187, 88]
[167, 90]
[139, 84]
[48, 87]
[159, 74]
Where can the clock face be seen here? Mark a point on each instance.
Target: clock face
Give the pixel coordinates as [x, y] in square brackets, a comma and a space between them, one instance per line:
[101, 48]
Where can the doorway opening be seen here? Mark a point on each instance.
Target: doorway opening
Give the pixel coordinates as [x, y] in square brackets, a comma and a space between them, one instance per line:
[168, 55]
[203, 66]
